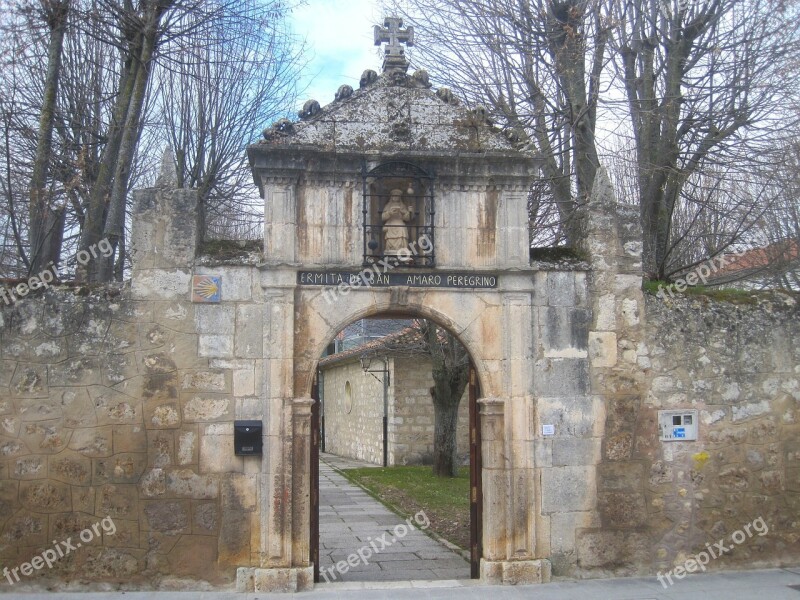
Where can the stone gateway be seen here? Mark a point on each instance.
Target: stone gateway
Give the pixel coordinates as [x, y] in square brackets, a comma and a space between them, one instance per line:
[121, 402]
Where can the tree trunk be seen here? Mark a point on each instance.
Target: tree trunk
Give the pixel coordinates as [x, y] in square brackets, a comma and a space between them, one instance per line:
[103, 267]
[42, 237]
[449, 382]
[445, 447]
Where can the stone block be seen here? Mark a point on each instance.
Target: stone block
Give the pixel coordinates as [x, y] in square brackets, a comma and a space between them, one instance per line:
[560, 288]
[29, 467]
[249, 342]
[564, 529]
[207, 380]
[217, 319]
[118, 501]
[187, 451]
[237, 282]
[166, 516]
[45, 496]
[206, 408]
[568, 489]
[205, 518]
[216, 454]
[603, 349]
[244, 382]
[193, 556]
[161, 284]
[561, 377]
[188, 484]
[579, 417]
[70, 467]
[622, 509]
[120, 468]
[515, 572]
[215, 346]
[575, 451]
[613, 549]
[564, 328]
[281, 580]
[628, 476]
[162, 416]
[153, 483]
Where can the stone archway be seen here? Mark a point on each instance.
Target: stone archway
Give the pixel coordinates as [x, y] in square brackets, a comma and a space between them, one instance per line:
[474, 447]
[482, 321]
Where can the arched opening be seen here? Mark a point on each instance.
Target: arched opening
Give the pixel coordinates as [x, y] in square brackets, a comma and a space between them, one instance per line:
[383, 376]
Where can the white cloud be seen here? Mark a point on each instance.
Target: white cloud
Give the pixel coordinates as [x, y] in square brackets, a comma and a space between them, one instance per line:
[339, 38]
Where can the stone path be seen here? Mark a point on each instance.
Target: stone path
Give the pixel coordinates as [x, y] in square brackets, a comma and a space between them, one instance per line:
[379, 545]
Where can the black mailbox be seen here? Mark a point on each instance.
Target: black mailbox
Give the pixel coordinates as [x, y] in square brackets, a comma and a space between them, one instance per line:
[247, 438]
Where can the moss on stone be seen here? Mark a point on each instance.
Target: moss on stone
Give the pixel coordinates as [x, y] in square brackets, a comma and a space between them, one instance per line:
[228, 249]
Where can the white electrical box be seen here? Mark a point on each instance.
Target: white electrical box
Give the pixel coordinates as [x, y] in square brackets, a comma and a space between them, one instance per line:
[677, 425]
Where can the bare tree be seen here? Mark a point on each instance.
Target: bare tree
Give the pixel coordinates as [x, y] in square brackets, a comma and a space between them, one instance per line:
[214, 95]
[537, 65]
[694, 85]
[450, 372]
[46, 220]
[108, 126]
[705, 87]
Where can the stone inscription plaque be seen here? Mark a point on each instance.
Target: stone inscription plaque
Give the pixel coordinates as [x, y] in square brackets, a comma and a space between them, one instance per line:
[371, 278]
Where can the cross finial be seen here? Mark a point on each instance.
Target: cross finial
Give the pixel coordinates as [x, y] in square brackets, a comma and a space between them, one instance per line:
[392, 32]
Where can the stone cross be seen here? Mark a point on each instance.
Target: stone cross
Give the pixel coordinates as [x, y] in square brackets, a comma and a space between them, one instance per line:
[391, 32]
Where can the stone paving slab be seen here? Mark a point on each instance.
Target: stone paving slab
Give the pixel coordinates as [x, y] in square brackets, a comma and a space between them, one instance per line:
[351, 521]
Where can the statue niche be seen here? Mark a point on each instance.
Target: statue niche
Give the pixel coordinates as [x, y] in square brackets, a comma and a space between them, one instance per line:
[398, 215]
[395, 216]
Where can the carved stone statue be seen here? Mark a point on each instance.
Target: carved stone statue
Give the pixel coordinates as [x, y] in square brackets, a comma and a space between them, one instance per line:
[395, 215]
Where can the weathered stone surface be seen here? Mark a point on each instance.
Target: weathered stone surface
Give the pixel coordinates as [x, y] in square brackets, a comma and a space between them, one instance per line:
[206, 408]
[45, 496]
[613, 550]
[70, 467]
[187, 483]
[568, 489]
[216, 453]
[205, 518]
[118, 501]
[167, 516]
[120, 468]
[153, 483]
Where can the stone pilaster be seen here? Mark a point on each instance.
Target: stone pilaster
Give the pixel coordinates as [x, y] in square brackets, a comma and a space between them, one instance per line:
[612, 240]
[501, 564]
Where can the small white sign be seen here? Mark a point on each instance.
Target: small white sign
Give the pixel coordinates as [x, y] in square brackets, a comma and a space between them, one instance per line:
[548, 429]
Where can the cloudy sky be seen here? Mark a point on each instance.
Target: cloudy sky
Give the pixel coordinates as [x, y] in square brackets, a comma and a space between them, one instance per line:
[340, 42]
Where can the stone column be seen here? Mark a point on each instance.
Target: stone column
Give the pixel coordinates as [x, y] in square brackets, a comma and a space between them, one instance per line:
[301, 480]
[495, 484]
[612, 239]
[280, 220]
[501, 564]
[165, 235]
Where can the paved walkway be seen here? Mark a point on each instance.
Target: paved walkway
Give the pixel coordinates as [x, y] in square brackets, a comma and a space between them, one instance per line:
[379, 545]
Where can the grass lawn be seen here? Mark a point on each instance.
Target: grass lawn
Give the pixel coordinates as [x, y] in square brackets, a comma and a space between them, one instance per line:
[409, 490]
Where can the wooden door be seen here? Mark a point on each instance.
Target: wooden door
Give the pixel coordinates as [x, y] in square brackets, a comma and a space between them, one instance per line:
[313, 540]
[476, 493]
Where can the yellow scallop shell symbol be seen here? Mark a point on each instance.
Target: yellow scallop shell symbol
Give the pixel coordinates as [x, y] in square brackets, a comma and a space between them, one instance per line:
[206, 288]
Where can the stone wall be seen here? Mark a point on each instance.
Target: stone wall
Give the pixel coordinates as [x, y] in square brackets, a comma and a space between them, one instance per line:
[119, 403]
[739, 366]
[107, 410]
[411, 415]
[359, 433]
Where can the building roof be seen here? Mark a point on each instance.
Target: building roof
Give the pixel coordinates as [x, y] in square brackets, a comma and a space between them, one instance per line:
[392, 116]
[408, 337]
[757, 262]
